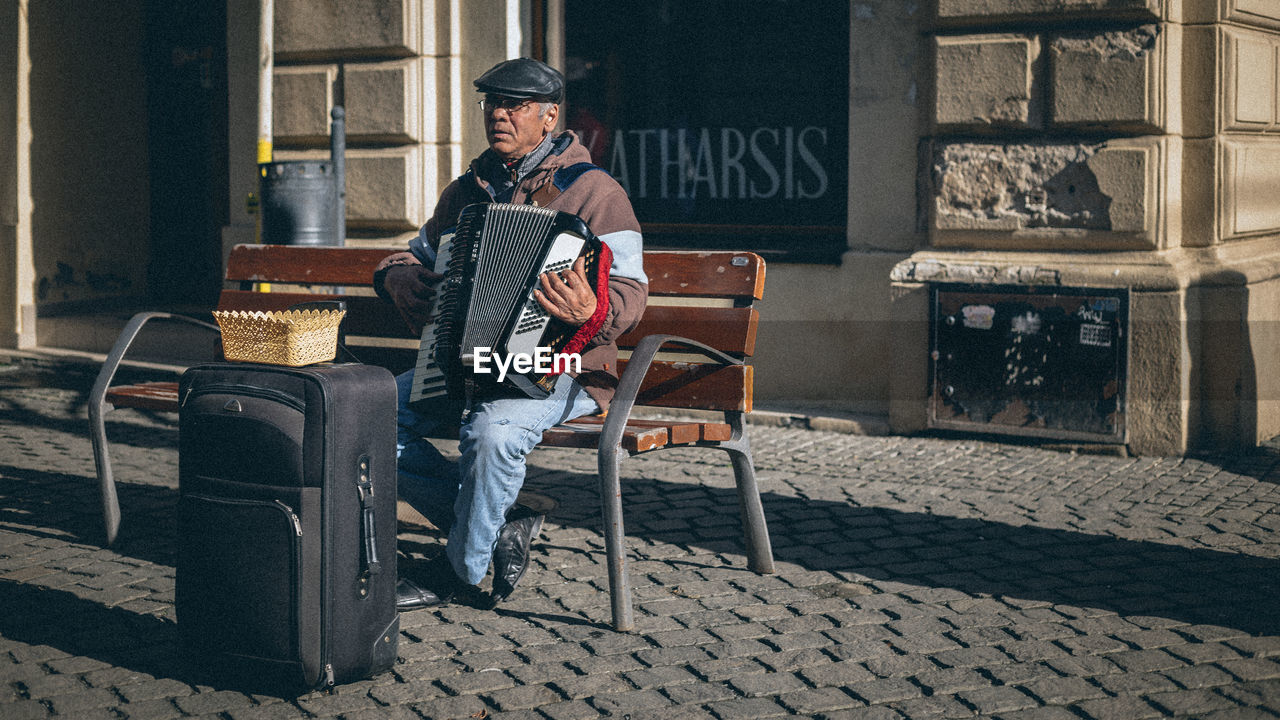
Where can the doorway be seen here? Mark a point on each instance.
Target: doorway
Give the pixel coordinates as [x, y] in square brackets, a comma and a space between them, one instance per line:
[185, 44]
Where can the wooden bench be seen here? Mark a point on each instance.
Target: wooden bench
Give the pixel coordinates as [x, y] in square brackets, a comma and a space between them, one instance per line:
[700, 317]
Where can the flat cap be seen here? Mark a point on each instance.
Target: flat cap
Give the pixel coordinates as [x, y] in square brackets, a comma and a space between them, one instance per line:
[523, 78]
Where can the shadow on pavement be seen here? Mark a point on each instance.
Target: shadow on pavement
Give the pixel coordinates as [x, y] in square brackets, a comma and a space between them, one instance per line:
[974, 556]
[66, 507]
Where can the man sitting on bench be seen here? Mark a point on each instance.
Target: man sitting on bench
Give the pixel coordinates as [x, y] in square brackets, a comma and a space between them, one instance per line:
[473, 500]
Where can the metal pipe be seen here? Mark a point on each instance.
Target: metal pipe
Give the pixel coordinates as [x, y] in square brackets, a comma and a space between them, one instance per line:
[266, 64]
[338, 154]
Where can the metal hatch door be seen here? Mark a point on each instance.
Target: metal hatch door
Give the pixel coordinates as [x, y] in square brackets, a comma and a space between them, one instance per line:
[1040, 362]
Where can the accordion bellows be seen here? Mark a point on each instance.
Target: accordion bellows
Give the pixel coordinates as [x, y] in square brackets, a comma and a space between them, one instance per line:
[293, 338]
[492, 263]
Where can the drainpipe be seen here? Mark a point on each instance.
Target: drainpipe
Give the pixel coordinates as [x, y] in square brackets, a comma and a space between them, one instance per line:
[266, 29]
[338, 155]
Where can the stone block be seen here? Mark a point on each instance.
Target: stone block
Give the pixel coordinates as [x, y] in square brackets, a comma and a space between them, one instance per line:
[1199, 215]
[908, 338]
[453, 105]
[1201, 68]
[301, 99]
[986, 81]
[440, 165]
[1122, 176]
[1068, 195]
[1262, 13]
[1159, 402]
[383, 100]
[347, 28]
[1263, 346]
[437, 22]
[1112, 79]
[952, 10]
[384, 188]
[1249, 179]
[1142, 177]
[1249, 79]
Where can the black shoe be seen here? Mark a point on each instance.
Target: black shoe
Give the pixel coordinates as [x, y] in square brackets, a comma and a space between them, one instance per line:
[511, 554]
[411, 597]
[441, 586]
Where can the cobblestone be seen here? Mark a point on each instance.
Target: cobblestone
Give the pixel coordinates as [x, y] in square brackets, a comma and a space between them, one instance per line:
[918, 578]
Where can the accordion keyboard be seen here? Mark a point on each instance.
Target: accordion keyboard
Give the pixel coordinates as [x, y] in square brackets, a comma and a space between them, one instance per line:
[533, 318]
[428, 379]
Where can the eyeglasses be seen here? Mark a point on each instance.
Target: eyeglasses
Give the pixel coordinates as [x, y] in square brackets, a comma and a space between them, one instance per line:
[511, 105]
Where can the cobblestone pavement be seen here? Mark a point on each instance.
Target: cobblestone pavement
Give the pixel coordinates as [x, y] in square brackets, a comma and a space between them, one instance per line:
[917, 577]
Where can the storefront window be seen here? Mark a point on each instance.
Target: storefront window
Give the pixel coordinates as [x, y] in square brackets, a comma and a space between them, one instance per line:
[727, 122]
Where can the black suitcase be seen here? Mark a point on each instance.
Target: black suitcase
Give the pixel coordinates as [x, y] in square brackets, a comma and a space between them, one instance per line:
[286, 565]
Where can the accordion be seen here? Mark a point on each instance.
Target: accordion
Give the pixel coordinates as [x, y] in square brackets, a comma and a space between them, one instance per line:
[486, 328]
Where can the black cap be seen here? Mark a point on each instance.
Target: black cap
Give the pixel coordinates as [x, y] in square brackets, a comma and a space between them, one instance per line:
[523, 78]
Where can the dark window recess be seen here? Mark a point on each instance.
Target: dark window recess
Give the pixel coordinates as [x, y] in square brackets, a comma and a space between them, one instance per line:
[1039, 362]
[727, 122]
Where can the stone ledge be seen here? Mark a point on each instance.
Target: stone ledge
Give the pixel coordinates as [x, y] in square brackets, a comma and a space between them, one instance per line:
[962, 12]
[1234, 264]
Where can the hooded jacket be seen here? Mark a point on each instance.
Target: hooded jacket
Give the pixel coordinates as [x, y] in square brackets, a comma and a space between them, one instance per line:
[562, 179]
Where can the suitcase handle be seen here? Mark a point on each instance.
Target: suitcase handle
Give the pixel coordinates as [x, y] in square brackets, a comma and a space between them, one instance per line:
[368, 534]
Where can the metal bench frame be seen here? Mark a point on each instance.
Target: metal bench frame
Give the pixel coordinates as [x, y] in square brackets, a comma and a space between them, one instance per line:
[618, 437]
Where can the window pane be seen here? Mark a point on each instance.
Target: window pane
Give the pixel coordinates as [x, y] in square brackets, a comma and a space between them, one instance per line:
[727, 122]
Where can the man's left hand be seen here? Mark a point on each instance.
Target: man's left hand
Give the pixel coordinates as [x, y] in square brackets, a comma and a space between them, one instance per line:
[567, 296]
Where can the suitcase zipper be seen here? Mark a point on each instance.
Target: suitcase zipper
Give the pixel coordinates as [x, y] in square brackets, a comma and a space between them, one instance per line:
[293, 517]
[254, 391]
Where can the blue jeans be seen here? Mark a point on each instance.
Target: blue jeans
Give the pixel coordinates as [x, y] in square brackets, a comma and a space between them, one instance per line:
[469, 499]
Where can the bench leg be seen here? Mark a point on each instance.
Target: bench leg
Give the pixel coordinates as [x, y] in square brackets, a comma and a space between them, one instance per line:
[98, 407]
[756, 532]
[102, 461]
[611, 501]
[759, 549]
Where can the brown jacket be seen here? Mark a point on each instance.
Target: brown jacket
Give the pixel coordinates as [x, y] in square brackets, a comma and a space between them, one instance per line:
[590, 194]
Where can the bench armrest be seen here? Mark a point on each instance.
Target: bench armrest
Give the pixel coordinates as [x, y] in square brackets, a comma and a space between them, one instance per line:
[97, 396]
[624, 399]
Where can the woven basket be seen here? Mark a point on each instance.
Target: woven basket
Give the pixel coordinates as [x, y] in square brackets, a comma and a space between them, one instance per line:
[294, 338]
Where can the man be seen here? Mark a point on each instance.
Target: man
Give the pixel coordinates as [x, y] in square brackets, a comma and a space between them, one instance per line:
[472, 500]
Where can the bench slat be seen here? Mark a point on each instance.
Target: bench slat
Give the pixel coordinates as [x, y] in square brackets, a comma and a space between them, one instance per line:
[696, 386]
[365, 315]
[699, 274]
[145, 396]
[679, 432]
[577, 435]
[731, 330]
[304, 265]
[705, 274]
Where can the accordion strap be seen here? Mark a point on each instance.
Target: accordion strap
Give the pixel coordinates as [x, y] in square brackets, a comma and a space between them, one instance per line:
[560, 181]
[596, 321]
[568, 175]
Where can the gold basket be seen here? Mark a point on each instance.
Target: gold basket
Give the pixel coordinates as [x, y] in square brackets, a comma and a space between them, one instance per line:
[294, 338]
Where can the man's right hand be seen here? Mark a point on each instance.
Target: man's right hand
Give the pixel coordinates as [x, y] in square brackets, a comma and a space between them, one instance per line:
[411, 288]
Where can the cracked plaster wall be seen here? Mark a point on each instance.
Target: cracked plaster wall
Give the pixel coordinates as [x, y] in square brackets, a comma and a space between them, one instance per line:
[1017, 186]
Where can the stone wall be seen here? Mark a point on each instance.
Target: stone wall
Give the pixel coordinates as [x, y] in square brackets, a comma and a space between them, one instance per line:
[402, 70]
[1084, 124]
[1100, 143]
[384, 61]
[1115, 143]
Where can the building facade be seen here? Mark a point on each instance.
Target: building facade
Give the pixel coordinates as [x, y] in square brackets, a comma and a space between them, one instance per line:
[1038, 217]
